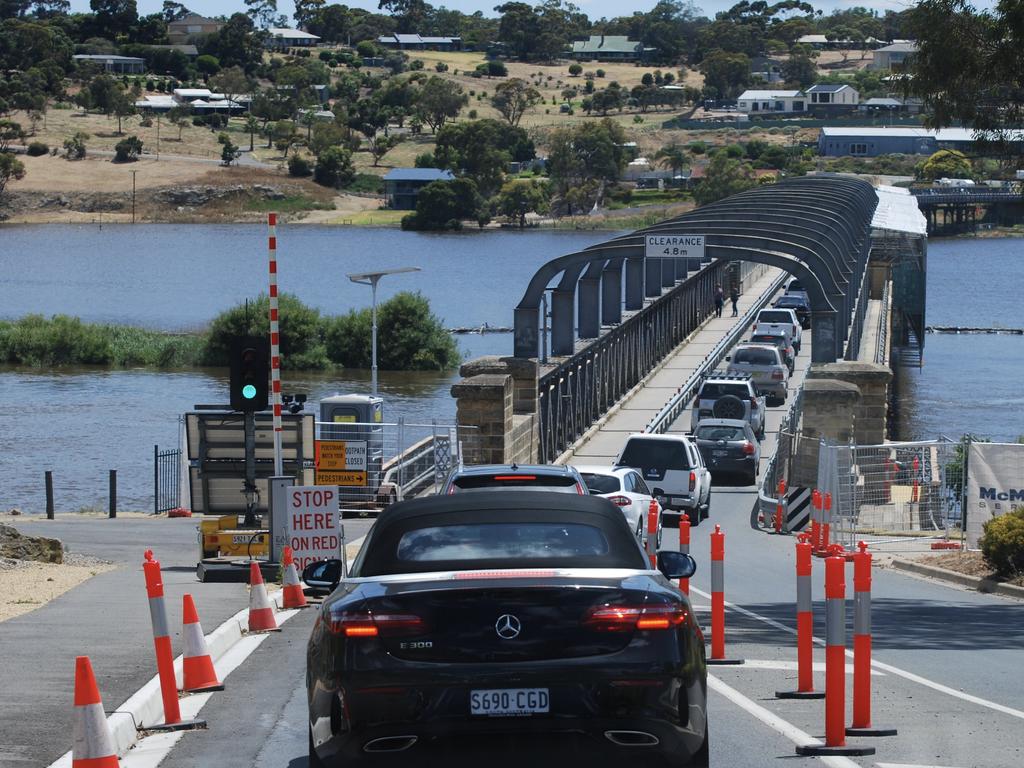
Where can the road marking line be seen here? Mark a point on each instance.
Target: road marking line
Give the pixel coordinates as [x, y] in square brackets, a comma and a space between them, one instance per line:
[908, 765]
[882, 665]
[775, 722]
[791, 666]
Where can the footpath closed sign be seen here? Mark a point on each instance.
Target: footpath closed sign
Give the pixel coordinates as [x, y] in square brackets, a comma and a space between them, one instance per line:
[340, 462]
[674, 246]
[312, 529]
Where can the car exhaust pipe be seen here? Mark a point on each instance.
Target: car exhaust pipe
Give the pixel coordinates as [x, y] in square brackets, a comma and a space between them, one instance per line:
[631, 738]
[390, 744]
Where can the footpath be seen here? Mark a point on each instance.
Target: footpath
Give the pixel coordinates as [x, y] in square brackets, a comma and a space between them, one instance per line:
[602, 443]
[106, 618]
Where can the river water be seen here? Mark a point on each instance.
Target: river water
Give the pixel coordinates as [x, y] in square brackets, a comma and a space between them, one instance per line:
[81, 423]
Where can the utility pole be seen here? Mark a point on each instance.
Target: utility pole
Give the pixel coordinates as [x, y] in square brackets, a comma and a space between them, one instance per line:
[157, 135]
[133, 196]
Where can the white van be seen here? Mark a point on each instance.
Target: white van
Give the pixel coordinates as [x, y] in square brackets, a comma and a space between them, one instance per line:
[674, 470]
[778, 320]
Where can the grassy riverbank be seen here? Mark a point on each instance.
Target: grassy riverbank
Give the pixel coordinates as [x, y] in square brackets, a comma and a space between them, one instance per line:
[411, 338]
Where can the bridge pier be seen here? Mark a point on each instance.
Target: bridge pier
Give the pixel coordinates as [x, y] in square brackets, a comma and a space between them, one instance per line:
[611, 293]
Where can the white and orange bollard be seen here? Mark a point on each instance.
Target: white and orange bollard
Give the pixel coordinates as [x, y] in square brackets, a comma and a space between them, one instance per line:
[835, 664]
[261, 610]
[684, 547]
[804, 626]
[780, 508]
[92, 745]
[293, 595]
[862, 647]
[198, 673]
[164, 651]
[652, 533]
[718, 599]
[816, 521]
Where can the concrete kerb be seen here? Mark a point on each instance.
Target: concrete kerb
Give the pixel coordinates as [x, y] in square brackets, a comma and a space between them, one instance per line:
[962, 579]
[566, 456]
[145, 707]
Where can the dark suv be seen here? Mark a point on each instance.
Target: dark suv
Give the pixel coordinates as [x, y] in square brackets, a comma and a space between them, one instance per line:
[515, 477]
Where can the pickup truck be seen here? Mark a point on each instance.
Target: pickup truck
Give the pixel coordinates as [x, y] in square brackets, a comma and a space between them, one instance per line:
[780, 320]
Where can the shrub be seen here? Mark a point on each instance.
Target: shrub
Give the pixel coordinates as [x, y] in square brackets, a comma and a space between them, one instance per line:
[472, 114]
[441, 67]
[302, 345]
[334, 167]
[127, 150]
[298, 166]
[37, 148]
[416, 64]
[600, 73]
[1002, 542]
[575, 70]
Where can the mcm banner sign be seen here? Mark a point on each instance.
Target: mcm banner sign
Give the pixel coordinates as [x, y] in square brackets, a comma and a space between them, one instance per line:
[995, 484]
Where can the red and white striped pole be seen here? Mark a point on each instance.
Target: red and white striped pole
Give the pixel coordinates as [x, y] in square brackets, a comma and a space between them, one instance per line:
[862, 647]
[164, 652]
[652, 533]
[718, 599]
[275, 343]
[804, 626]
[684, 546]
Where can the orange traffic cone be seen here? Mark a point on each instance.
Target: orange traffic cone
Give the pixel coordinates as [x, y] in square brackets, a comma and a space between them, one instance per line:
[197, 666]
[92, 745]
[261, 612]
[294, 597]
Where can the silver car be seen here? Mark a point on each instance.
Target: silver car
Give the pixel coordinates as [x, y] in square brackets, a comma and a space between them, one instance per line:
[766, 367]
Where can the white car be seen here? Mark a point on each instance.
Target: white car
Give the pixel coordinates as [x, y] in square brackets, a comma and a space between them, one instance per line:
[624, 488]
[672, 467]
[777, 320]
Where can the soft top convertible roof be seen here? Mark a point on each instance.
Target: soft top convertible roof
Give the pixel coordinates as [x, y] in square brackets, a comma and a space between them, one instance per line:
[379, 555]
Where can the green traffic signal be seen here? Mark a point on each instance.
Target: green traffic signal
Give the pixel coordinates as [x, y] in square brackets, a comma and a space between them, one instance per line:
[248, 391]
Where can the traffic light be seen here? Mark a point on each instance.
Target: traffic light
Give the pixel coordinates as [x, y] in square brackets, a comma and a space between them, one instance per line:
[250, 372]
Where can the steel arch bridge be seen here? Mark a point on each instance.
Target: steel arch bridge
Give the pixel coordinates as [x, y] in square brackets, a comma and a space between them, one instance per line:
[816, 228]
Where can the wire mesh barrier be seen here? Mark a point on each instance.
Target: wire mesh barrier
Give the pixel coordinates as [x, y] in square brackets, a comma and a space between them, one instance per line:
[166, 479]
[893, 492]
[784, 465]
[375, 464]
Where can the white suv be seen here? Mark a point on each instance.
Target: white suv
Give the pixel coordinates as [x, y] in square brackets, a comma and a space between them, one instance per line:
[776, 320]
[674, 470]
[724, 396]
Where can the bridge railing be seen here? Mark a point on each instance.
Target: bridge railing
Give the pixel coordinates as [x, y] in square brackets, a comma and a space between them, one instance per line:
[859, 313]
[578, 391]
[681, 399]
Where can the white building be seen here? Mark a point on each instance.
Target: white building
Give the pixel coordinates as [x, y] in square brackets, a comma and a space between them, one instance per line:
[778, 102]
[283, 37]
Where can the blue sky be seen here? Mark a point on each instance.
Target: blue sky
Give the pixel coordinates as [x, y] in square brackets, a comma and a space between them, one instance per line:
[595, 9]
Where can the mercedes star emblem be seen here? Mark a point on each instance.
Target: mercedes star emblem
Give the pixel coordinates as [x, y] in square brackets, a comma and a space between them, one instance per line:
[507, 626]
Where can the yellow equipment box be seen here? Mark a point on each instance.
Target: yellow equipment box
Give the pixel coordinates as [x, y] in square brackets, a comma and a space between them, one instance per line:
[221, 537]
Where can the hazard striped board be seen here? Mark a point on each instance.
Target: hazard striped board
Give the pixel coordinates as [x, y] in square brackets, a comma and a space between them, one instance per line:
[798, 511]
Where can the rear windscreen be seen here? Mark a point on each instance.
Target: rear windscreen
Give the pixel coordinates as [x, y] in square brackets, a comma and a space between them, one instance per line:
[501, 541]
[755, 357]
[794, 285]
[655, 454]
[720, 433]
[792, 302]
[601, 483]
[711, 391]
[768, 316]
[511, 482]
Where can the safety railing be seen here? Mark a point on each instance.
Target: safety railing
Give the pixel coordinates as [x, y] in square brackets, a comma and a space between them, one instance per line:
[786, 442]
[859, 313]
[577, 392]
[882, 346]
[166, 479]
[679, 402]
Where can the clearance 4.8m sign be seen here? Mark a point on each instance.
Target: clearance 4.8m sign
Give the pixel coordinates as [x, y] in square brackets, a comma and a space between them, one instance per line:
[674, 246]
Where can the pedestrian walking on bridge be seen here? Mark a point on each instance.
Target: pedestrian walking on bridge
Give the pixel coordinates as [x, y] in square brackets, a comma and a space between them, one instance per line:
[734, 297]
[719, 299]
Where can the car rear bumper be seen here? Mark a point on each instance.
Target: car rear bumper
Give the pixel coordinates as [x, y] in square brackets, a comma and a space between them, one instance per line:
[586, 719]
[743, 466]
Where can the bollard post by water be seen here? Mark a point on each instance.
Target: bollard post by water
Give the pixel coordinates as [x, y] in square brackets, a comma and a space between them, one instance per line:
[49, 494]
[113, 494]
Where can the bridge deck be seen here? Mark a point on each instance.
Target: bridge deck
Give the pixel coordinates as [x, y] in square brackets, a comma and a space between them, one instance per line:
[601, 445]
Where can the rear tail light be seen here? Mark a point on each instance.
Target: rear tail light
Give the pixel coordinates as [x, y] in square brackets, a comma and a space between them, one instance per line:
[622, 618]
[513, 478]
[748, 448]
[581, 490]
[620, 501]
[367, 624]
[693, 480]
[753, 404]
[778, 375]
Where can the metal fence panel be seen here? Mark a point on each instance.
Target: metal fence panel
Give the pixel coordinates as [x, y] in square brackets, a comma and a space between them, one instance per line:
[166, 479]
[906, 490]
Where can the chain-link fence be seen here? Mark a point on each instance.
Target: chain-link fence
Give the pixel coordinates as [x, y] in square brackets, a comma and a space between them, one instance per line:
[893, 492]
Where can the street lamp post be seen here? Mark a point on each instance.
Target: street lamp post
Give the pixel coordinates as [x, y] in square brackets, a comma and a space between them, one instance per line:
[371, 279]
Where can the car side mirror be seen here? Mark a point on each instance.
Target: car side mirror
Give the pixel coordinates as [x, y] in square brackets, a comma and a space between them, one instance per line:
[728, 358]
[324, 574]
[676, 565]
